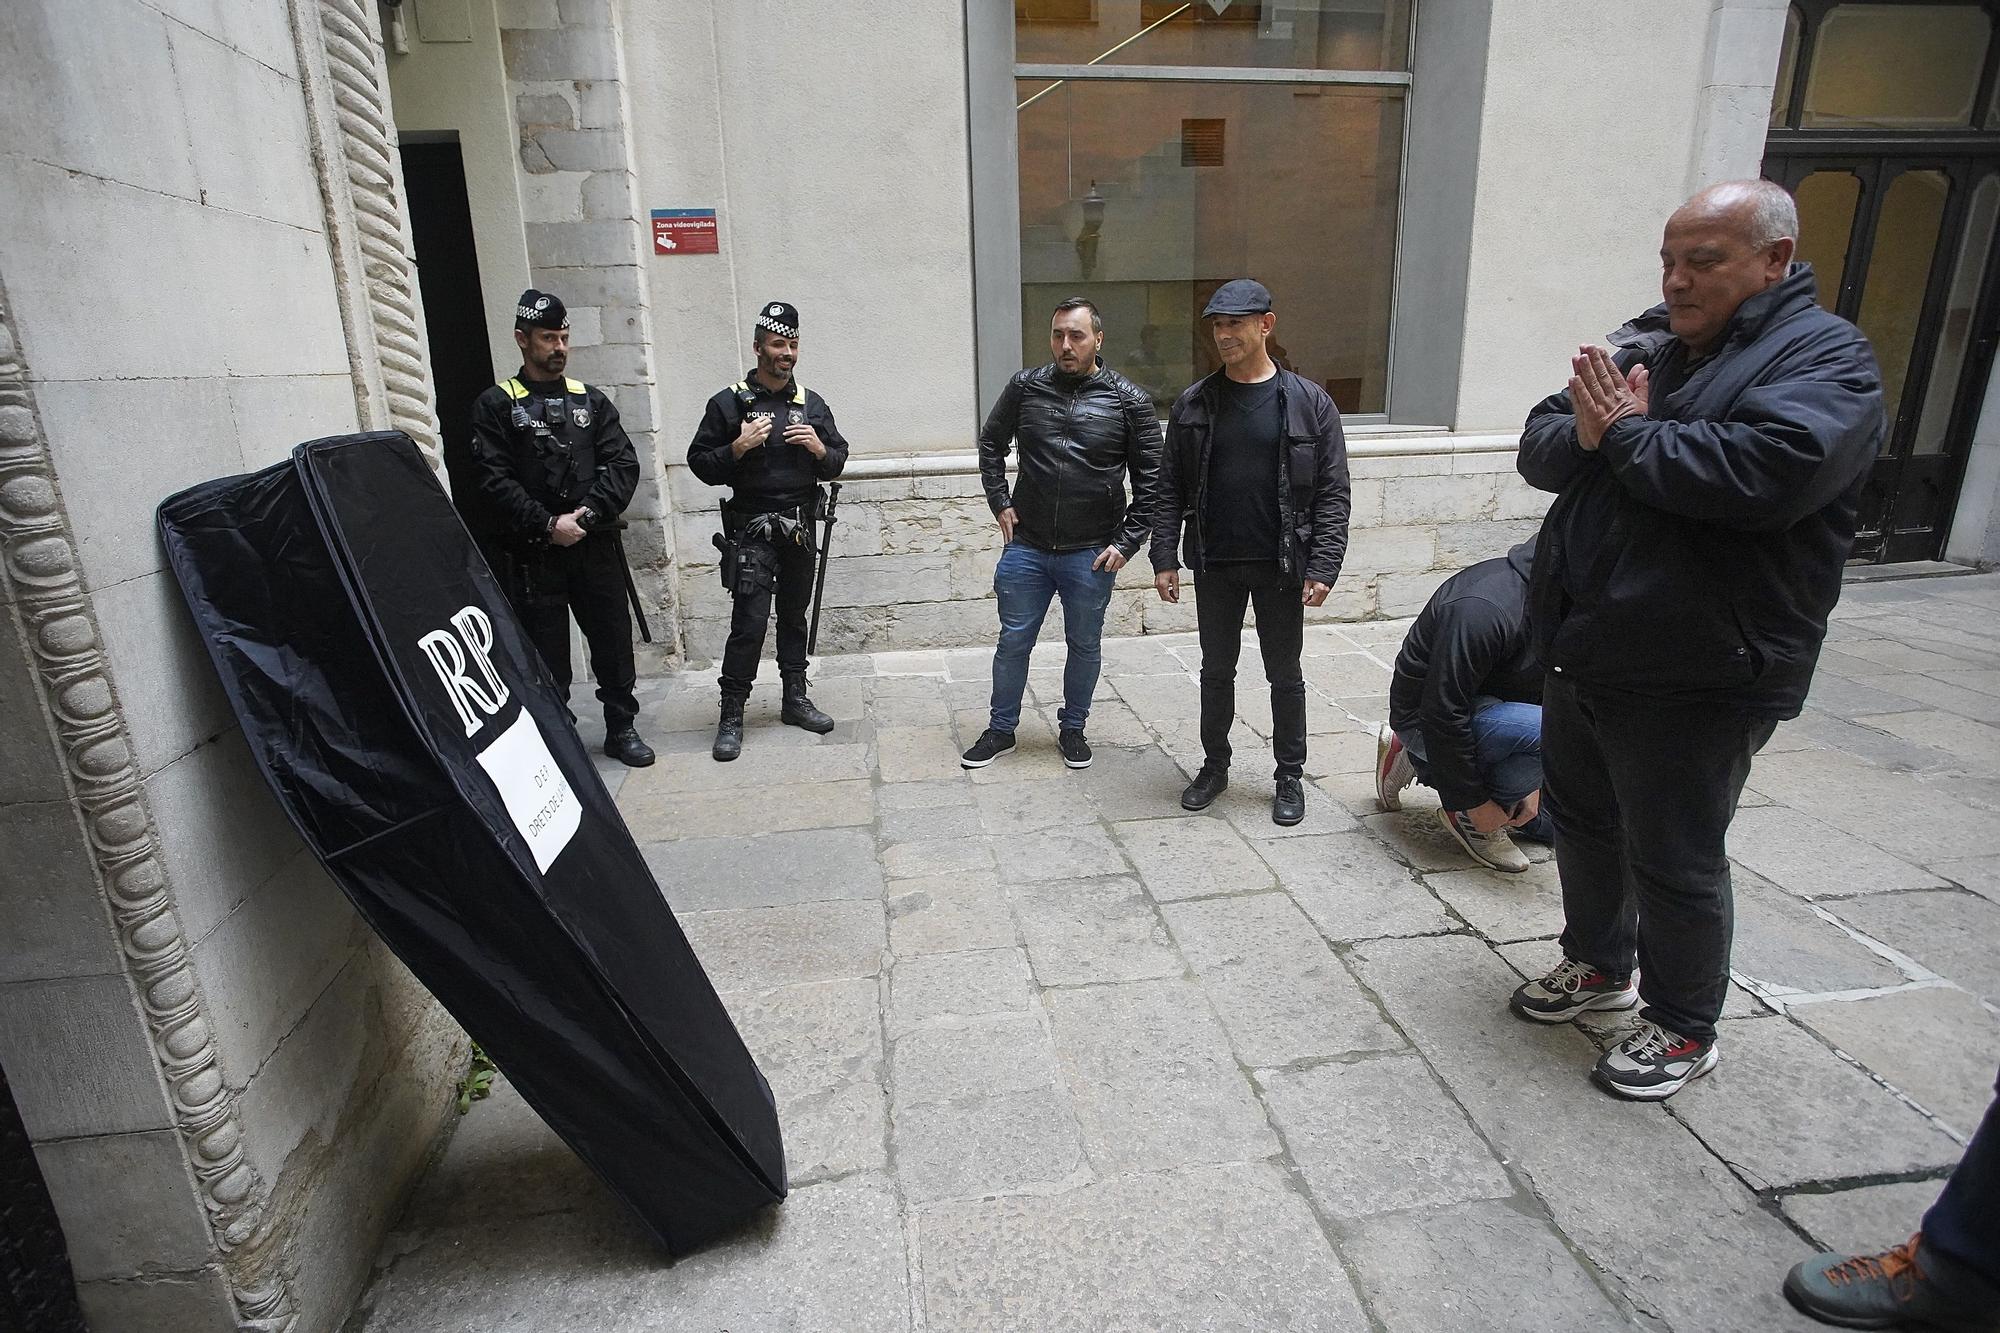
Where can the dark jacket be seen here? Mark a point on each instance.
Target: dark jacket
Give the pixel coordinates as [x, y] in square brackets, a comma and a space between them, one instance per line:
[775, 475]
[528, 478]
[1079, 438]
[1696, 553]
[1469, 643]
[1313, 499]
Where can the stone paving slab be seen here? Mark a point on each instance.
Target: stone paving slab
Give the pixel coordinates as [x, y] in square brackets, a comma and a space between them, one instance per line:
[756, 948]
[1080, 852]
[1938, 1046]
[1378, 1135]
[948, 913]
[1192, 858]
[820, 1047]
[1353, 888]
[1083, 931]
[1154, 1082]
[1814, 859]
[1785, 944]
[1504, 907]
[1009, 1143]
[1848, 1126]
[766, 870]
[1282, 994]
[1490, 1265]
[1866, 1219]
[1956, 935]
[958, 986]
[1218, 1248]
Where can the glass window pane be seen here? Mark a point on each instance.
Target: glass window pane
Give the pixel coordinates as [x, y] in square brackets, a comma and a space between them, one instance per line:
[1899, 271]
[1788, 62]
[1114, 206]
[1896, 66]
[1826, 222]
[1968, 272]
[1236, 34]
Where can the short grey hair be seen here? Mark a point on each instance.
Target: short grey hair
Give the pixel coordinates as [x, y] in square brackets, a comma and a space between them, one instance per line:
[1773, 216]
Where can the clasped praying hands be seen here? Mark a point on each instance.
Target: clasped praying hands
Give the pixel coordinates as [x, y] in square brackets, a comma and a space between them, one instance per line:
[1600, 394]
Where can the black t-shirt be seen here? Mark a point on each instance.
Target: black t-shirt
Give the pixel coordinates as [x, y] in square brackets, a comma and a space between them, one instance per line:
[1242, 513]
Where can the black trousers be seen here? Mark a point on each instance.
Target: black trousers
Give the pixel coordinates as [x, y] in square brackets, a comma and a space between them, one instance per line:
[1222, 593]
[586, 580]
[1641, 792]
[752, 612]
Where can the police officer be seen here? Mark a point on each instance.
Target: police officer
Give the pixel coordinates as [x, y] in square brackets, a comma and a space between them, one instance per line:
[558, 469]
[772, 441]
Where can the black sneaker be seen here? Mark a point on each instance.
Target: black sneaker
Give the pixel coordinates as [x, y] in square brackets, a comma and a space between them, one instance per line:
[1653, 1064]
[1288, 804]
[990, 746]
[1895, 1289]
[1571, 988]
[1075, 749]
[1208, 784]
[625, 746]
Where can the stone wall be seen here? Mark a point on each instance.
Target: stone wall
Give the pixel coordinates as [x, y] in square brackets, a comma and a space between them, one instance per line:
[228, 1084]
[914, 552]
[585, 237]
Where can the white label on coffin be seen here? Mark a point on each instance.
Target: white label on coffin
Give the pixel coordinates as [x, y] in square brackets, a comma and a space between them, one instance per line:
[537, 795]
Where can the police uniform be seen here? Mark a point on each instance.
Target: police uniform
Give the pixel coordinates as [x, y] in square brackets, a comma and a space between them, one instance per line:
[542, 450]
[768, 529]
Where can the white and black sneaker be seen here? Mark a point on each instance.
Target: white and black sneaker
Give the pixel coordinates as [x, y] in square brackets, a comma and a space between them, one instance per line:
[1653, 1064]
[1393, 769]
[1495, 850]
[1571, 988]
[1075, 749]
[990, 746]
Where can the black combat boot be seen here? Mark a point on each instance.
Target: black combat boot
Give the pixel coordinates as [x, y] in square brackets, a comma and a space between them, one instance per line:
[798, 710]
[728, 732]
[625, 746]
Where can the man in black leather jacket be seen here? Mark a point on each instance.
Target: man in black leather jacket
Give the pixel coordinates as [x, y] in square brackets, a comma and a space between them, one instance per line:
[1707, 479]
[1255, 472]
[555, 469]
[1081, 429]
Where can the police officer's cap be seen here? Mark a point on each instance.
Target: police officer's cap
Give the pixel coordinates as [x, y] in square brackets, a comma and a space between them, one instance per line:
[1239, 296]
[539, 310]
[779, 318]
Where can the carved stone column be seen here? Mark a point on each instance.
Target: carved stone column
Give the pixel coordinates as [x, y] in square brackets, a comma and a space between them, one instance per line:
[361, 182]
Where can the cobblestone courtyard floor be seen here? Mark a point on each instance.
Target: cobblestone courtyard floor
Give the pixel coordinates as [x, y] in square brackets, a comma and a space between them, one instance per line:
[1052, 1054]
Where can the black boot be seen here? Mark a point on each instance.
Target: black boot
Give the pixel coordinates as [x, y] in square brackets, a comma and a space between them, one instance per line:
[625, 746]
[728, 732]
[798, 710]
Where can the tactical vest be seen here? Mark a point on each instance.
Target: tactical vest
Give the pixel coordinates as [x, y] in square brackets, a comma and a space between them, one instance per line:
[563, 445]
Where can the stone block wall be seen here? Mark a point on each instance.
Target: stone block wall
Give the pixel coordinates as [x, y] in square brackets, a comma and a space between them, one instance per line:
[586, 239]
[914, 554]
[228, 1085]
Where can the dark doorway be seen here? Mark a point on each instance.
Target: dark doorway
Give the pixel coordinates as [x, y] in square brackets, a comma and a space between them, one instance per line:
[1886, 126]
[448, 270]
[37, 1294]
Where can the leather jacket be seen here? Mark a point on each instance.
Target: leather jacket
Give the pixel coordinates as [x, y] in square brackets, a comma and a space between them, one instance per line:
[1314, 495]
[1079, 438]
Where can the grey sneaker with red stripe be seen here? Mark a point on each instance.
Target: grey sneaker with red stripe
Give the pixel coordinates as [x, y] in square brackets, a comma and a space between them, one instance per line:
[1570, 988]
[1393, 769]
[1653, 1064]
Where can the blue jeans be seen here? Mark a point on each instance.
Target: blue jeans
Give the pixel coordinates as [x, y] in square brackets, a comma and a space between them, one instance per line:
[1025, 581]
[1507, 748]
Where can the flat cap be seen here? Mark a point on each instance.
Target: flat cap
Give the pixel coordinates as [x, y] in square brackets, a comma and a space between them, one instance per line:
[1238, 296]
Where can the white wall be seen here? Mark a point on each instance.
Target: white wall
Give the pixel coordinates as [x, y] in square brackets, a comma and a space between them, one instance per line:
[831, 139]
[462, 87]
[1975, 532]
[1587, 137]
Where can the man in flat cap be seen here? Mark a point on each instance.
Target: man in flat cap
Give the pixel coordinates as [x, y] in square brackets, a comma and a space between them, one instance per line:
[557, 470]
[1253, 492]
[772, 441]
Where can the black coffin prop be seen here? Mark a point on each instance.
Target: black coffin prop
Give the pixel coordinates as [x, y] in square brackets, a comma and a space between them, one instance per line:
[411, 733]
